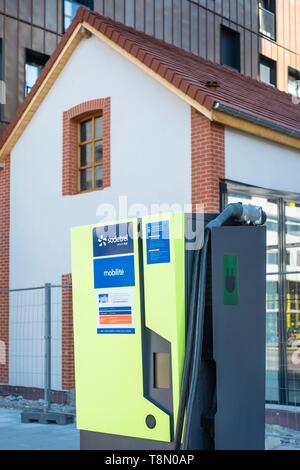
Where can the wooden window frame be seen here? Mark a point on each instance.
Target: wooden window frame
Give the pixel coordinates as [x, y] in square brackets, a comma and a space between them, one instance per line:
[70, 162]
[92, 117]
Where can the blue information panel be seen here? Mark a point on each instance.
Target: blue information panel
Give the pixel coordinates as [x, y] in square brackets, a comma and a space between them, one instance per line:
[115, 310]
[158, 242]
[114, 272]
[113, 256]
[115, 331]
[112, 240]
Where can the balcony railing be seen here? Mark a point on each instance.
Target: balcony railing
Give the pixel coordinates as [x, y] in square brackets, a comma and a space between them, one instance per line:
[267, 23]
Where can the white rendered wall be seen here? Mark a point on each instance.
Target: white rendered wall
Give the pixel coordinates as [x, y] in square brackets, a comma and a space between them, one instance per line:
[259, 162]
[150, 163]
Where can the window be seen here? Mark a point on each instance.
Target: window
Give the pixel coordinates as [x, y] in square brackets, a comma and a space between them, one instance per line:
[86, 147]
[71, 7]
[35, 62]
[294, 82]
[90, 153]
[230, 48]
[267, 70]
[267, 18]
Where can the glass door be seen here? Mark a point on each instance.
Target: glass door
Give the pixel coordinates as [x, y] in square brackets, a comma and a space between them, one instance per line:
[282, 291]
[292, 298]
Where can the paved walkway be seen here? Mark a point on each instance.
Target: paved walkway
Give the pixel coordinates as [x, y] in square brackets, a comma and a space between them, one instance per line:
[279, 438]
[17, 436]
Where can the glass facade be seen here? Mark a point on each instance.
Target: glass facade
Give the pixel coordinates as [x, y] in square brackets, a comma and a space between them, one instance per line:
[282, 292]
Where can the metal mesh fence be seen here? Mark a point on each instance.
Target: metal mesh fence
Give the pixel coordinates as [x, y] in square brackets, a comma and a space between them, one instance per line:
[32, 366]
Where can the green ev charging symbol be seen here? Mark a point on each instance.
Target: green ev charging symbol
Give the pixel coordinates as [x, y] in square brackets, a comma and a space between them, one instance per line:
[230, 280]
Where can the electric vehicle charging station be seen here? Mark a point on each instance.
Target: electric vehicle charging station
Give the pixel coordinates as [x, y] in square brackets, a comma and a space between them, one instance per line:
[169, 331]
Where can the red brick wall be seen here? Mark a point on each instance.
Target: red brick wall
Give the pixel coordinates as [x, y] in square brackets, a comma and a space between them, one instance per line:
[208, 162]
[68, 374]
[70, 142]
[4, 269]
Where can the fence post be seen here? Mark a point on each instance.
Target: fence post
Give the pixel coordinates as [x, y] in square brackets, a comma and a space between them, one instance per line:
[47, 390]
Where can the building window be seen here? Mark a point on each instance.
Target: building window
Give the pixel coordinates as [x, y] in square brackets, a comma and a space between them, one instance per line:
[86, 147]
[90, 132]
[71, 7]
[34, 64]
[267, 70]
[267, 18]
[294, 82]
[230, 48]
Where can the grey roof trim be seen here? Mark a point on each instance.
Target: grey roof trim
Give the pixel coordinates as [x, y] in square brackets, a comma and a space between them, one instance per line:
[256, 120]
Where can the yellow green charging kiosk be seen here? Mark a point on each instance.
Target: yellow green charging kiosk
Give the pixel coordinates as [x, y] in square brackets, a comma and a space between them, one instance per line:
[129, 326]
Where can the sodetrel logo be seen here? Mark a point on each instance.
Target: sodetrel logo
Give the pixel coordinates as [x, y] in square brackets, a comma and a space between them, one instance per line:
[104, 240]
[114, 272]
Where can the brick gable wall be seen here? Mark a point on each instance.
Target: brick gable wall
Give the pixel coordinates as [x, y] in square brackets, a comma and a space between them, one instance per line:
[208, 161]
[4, 269]
[68, 370]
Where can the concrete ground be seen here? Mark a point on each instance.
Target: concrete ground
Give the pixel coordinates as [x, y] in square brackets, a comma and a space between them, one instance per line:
[18, 436]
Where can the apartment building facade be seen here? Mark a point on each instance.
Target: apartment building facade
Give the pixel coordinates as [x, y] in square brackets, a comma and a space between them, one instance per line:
[260, 38]
[29, 32]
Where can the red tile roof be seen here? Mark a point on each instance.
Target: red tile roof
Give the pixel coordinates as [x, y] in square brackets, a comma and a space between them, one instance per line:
[193, 75]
